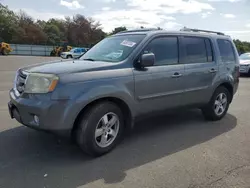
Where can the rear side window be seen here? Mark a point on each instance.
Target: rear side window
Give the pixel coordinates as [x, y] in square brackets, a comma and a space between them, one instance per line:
[165, 50]
[226, 50]
[198, 50]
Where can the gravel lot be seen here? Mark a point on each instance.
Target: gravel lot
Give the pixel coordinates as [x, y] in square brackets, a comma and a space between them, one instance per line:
[175, 151]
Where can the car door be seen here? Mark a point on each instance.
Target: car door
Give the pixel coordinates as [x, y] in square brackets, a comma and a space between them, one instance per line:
[200, 69]
[76, 53]
[160, 86]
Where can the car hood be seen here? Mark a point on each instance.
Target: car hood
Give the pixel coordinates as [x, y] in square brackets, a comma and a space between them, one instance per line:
[68, 66]
[244, 62]
[65, 53]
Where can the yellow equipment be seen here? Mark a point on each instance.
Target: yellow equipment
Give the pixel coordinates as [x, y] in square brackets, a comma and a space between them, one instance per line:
[5, 48]
[59, 49]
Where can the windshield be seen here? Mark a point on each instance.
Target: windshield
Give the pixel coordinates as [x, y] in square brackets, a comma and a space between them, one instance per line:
[245, 56]
[113, 49]
[72, 50]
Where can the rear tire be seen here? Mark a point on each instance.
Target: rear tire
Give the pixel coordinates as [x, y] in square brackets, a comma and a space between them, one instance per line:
[96, 135]
[217, 108]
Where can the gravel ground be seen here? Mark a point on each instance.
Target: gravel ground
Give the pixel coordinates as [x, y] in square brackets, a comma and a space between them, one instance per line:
[176, 151]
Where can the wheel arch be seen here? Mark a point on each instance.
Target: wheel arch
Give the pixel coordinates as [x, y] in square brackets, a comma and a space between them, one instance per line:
[229, 87]
[126, 110]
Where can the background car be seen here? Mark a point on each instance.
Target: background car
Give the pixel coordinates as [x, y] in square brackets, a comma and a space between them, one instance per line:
[245, 63]
[57, 51]
[74, 53]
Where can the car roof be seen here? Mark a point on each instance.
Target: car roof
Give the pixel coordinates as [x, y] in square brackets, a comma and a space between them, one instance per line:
[149, 32]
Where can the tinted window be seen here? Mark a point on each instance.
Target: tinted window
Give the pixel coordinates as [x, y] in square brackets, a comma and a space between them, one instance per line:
[195, 50]
[226, 50]
[165, 50]
[77, 51]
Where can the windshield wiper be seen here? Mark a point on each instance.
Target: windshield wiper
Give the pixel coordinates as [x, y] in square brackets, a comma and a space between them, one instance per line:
[89, 59]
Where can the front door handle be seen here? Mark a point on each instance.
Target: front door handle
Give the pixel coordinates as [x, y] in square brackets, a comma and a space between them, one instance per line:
[176, 75]
[212, 70]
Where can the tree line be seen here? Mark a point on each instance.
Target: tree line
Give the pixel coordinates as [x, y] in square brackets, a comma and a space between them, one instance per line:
[242, 46]
[21, 28]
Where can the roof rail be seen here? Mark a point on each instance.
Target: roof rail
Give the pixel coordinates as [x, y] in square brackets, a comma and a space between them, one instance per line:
[140, 30]
[203, 31]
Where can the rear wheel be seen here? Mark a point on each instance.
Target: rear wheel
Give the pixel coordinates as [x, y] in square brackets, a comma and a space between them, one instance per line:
[100, 129]
[217, 108]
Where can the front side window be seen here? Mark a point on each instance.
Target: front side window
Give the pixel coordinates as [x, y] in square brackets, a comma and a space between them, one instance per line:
[114, 49]
[77, 51]
[195, 48]
[165, 50]
[226, 50]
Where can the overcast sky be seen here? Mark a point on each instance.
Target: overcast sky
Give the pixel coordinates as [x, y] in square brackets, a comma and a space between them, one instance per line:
[230, 16]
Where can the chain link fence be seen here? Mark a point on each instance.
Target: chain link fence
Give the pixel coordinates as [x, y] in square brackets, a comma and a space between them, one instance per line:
[31, 50]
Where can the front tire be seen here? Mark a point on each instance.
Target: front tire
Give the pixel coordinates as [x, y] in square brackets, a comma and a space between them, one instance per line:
[217, 108]
[100, 129]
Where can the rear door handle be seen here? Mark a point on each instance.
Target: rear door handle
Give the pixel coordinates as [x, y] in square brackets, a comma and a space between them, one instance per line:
[176, 75]
[212, 70]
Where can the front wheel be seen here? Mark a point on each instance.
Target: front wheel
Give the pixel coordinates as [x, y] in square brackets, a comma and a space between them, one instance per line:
[100, 129]
[217, 108]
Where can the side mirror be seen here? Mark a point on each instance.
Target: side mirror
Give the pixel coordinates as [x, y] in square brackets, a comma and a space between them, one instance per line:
[147, 60]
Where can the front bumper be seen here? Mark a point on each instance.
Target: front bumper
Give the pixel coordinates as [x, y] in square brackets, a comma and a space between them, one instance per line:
[53, 116]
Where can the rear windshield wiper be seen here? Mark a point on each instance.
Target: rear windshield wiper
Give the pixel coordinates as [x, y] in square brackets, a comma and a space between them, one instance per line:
[89, 59]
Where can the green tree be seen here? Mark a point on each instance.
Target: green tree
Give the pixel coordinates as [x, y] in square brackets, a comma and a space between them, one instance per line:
[118, 29]
[53, 34]
[242, 47]
[8, 23]
[29, 32]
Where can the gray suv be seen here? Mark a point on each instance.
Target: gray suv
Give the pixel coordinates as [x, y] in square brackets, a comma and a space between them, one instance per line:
[96, 98]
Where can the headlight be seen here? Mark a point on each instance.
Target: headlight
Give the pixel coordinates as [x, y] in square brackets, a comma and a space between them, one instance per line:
[40, 83]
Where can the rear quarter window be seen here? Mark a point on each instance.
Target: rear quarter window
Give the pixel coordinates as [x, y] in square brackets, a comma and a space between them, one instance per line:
[227, 53]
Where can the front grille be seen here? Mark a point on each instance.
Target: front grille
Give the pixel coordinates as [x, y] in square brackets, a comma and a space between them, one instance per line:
[20, 81]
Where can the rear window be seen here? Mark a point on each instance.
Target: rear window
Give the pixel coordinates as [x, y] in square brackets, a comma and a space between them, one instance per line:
[226, 50]
[198, 50]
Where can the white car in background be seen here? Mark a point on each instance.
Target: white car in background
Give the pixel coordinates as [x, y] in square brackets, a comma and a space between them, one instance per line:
[245, 63]
[74, 53]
